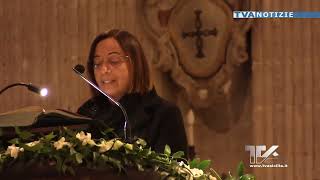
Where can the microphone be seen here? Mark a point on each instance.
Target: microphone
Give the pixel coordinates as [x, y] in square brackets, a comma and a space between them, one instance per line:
[31, 87]
[79, 69]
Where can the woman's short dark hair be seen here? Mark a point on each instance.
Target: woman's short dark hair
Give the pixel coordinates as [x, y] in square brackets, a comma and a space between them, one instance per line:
[132, 48]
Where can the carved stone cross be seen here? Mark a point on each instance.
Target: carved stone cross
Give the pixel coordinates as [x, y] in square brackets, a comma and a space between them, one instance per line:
[199, 33]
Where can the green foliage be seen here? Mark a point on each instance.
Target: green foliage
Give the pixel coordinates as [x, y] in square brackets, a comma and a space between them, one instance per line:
[204, 164]
[167, 150]
[240, 169]
[194, 163]
[48, 137]
[240, 174]
[25, 135]
[68, 150]
[178, 155]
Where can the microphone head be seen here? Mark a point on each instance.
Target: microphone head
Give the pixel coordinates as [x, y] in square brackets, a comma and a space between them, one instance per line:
[35, 89]
[80, 68]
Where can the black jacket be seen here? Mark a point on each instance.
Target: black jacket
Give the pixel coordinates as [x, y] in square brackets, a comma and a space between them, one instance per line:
[151, 118]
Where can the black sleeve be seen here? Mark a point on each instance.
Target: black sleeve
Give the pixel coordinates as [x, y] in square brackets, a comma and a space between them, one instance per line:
[89, 109]
[171, 131]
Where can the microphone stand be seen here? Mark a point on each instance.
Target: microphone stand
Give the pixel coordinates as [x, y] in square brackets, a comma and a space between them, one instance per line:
[29, 86]
[111, 99]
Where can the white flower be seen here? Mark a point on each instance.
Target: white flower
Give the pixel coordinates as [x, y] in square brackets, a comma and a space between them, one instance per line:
[181, 163]
[183, 169]
[117, 144]
[86, 139]
[163, 173]
[129, 146]
[31, 144]
[14, 151]
[196, 172]
[113, 144]
[60, 143]
[105, 146]
[212, 178]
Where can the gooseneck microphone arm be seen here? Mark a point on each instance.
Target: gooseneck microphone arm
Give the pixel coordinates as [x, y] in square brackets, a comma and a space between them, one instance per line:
[30, 86]
[78, 69]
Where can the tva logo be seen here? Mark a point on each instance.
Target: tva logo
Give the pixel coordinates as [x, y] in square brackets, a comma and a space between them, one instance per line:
[256, 156]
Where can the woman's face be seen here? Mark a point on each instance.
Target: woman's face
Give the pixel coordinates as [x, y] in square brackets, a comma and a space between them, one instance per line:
[111, 68]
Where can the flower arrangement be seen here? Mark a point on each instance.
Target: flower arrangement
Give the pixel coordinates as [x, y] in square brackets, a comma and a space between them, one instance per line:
[68, 149]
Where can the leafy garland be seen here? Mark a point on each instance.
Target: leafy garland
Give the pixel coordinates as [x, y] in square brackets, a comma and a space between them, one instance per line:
[68, 150]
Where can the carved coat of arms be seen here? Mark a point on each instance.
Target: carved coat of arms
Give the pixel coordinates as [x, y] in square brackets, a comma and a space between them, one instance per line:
[198, 43]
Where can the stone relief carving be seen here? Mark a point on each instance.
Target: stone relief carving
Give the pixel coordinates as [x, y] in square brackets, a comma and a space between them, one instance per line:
[205, 80]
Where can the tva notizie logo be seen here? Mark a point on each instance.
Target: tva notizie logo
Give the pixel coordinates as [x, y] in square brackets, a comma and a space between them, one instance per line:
[259, 154]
